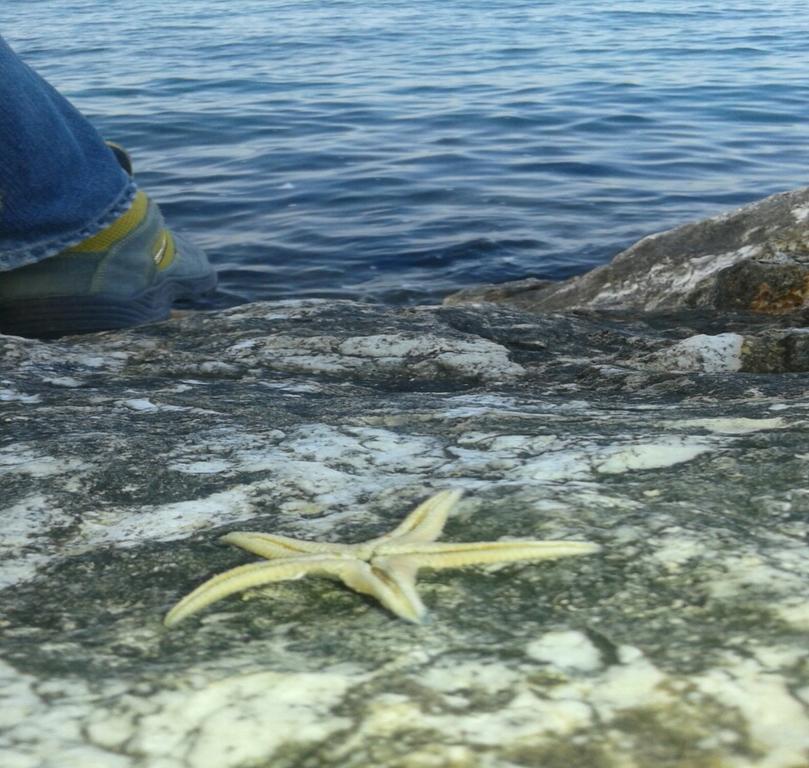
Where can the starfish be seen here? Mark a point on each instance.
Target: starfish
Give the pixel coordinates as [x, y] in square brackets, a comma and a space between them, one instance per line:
[384, 567]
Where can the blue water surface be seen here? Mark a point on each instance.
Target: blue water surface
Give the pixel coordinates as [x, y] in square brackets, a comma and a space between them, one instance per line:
[399, 149]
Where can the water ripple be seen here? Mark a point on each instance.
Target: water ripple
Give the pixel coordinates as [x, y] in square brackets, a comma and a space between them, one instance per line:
[397, 150]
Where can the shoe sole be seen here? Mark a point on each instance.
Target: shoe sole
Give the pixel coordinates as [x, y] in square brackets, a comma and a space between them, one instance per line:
[64, 316]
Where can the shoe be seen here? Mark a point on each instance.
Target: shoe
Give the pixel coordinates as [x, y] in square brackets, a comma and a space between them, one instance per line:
[128, 274]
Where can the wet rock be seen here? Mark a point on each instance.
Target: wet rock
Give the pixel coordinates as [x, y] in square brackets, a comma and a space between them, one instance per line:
[753, 259]
[677, 442]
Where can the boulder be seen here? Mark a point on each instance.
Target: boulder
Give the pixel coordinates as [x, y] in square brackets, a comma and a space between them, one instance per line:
[676, 442]
[753, 259]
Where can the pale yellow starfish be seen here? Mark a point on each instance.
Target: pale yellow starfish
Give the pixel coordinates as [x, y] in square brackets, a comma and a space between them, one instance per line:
[384, 567]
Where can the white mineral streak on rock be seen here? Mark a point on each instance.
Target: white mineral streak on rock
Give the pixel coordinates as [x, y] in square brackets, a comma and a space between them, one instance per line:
[587, 692]
[8, 395]
[370, 460]
[666, 281]
[34, 732]
[422, 353]
[610, 295]
[687, 276]
[635, 682]
[462, 677]
[317, 468]
[569, 650]
[795, 611]
[243, 344]
[203, 467]
[92, 361]
[677, 547]
[711, 354]
[363, 447]
[19, 458]
[474, 356]
[550, 458]
[467, 406]
[801, 213]
[523, 716]
[62, 381]
[732, 426]
[25, 544]
[781, 571]
[776, 719]
[205, 722]
[288, 387]
[554, 466]
[652, 454]
[335, 466]
[239, 720]
[143, 405]
[224, 720]
[281, 310]
[127, 527]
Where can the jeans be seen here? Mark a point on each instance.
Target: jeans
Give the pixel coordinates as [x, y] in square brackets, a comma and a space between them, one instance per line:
[59, 182]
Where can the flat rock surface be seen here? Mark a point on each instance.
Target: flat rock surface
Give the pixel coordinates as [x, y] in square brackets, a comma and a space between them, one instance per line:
[677, 443]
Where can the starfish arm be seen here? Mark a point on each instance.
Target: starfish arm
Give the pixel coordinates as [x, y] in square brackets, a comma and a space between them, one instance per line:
[392, 584]
[384, 567]
[270, 546]
[426, 521]
[246, 576]
[440, 555]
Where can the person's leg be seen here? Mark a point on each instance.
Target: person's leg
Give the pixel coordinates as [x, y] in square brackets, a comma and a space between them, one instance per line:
[59, 181]
[81, 249]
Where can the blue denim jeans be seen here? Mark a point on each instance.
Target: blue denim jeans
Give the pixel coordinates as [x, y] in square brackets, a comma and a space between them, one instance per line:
[59, 182]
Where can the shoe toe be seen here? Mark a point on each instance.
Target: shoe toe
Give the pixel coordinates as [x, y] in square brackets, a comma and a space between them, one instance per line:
[190, 268]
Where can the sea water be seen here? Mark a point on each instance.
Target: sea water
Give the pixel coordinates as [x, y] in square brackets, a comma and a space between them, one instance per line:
[397, 150]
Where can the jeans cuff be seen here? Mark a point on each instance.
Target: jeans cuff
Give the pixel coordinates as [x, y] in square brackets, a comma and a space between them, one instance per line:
[32, 253]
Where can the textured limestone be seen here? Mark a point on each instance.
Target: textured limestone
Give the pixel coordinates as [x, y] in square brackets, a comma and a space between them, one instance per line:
[675, 443]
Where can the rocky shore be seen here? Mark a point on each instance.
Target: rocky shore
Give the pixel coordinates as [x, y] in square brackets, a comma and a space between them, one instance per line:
[656, 406]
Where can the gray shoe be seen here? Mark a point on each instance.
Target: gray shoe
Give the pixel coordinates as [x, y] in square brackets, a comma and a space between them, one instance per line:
[128, 274]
